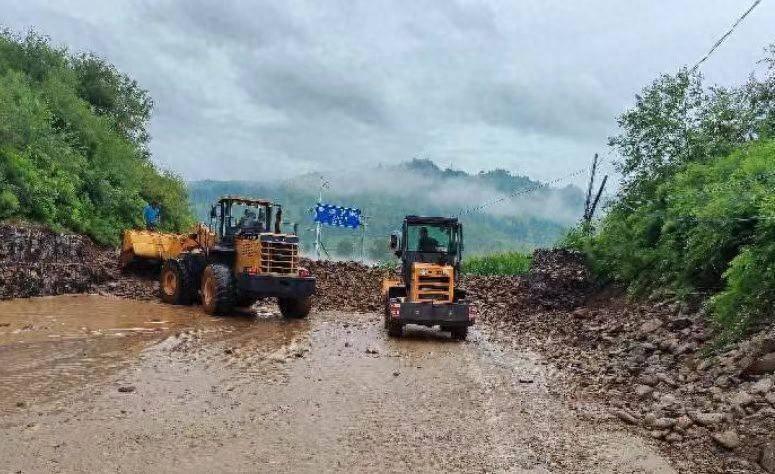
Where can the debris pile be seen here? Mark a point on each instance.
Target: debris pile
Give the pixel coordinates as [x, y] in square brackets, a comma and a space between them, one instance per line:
[652, 363]
[347, 286]
[558, 279]
[36, 261]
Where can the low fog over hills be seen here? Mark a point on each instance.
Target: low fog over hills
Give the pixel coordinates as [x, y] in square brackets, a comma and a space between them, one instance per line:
[387, 193]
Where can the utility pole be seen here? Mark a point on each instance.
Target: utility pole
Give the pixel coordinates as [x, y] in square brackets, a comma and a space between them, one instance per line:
[323, 184]
[597, 198]
[587, 202]
[363, 238]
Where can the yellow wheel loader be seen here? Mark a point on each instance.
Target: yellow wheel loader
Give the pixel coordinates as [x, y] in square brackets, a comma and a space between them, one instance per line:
[242, 256]
[426, 292]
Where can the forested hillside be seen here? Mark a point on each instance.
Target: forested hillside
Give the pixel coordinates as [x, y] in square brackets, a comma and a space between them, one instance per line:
[387, 193]
[696, 212]
[74, 143]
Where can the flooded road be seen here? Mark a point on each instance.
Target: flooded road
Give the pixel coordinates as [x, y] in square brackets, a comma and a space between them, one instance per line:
[99, 384]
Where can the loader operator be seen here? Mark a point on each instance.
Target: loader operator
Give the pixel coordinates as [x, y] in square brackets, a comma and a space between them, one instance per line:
[426, 243]
[249, 220]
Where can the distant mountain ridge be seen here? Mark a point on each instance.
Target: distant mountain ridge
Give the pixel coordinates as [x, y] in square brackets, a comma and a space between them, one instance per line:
[386, 193]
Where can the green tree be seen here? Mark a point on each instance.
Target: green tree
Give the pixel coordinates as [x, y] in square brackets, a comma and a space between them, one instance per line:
[73, 137]
[694, 213]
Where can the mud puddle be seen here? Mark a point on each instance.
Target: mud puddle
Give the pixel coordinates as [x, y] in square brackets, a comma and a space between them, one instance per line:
[53, 345]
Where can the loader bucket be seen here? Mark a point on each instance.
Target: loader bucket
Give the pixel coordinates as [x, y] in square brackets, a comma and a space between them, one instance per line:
[144, 245]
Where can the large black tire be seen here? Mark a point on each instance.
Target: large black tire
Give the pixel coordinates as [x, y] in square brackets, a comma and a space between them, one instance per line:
[460, 333]
[295, 308]
[395, 329]
[176, 283]
[218, 295]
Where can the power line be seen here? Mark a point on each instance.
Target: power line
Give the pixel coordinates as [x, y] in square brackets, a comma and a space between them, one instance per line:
[513, 195]
[726, 35]
[521, 192]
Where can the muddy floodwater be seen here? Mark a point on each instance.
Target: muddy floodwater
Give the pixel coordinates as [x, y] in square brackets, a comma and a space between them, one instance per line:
[92, 383]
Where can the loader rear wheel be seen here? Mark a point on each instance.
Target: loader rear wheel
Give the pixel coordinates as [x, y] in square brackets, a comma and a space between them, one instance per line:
[217, 289]
[176, 283]
[295, 308]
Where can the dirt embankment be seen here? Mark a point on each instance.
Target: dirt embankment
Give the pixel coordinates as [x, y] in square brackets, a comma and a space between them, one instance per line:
[36, 261]
[651, 363]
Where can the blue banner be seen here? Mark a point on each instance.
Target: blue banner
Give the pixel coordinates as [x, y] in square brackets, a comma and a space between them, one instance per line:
[337, 216]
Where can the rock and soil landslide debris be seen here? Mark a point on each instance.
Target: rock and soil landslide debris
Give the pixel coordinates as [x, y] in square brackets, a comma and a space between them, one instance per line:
[652, 364]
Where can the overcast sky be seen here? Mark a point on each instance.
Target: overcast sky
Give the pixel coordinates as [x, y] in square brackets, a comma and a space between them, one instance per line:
[254, 89]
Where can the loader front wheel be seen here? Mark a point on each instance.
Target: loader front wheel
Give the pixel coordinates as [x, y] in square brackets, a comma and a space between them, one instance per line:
[460, 333]
[295, 308]
[176, 284]
[395, 329]
[217, 289]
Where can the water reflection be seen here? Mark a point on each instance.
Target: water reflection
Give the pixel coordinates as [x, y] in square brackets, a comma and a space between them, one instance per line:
[52, 345]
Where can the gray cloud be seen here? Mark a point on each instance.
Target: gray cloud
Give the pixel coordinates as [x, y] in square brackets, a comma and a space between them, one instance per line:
[256, 89]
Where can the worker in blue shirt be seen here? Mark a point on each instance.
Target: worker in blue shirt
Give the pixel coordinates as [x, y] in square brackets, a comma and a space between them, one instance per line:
[152, 214]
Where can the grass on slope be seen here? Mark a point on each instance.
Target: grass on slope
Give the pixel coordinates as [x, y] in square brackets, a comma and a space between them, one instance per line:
[509, 263]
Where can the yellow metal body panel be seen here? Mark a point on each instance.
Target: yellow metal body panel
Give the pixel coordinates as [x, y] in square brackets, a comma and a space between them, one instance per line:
[266, 257]
[248, 255]
[432, 282]
[389, 283]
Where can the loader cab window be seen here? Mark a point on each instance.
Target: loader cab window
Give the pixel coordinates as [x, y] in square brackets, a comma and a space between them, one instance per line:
[246, 218]
[430, 239]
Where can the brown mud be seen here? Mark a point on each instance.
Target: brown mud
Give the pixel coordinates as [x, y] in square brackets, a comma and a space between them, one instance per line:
[258, 393]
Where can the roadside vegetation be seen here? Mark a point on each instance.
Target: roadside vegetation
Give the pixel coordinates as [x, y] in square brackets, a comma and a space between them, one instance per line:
[695, 215]
[508, 263]
[74, 144]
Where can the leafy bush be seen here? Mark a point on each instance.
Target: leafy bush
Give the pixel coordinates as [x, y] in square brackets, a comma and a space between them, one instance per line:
[696, 211]
[73, 144]
[511, 263]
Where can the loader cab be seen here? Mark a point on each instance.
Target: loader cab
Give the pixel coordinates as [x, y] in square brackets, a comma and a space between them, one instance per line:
[437, 240]
[234, 216]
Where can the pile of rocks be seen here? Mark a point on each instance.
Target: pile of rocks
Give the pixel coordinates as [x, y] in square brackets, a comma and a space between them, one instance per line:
[558, 279]
[37, 261]
[653, 364]
[347, 286]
